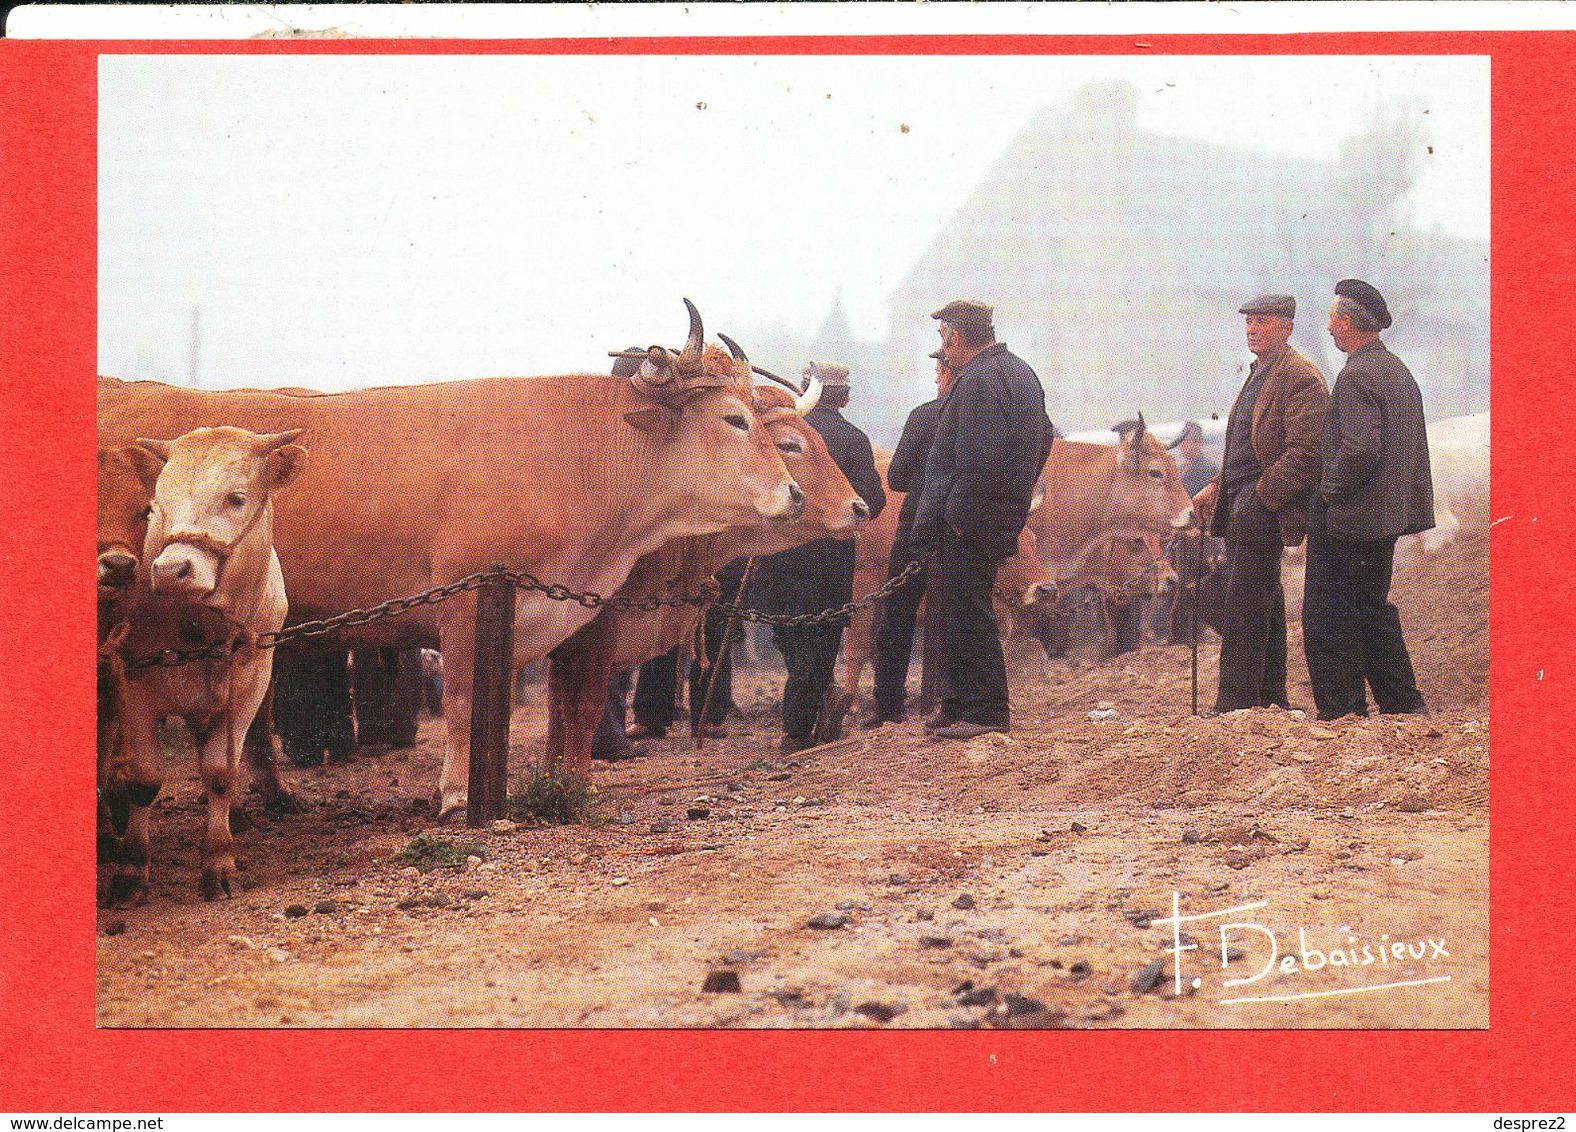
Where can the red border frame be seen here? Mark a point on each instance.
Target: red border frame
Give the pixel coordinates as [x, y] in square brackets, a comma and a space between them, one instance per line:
[54, 1059]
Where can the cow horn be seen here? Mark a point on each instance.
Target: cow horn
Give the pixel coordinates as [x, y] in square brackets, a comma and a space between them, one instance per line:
[811, 397]
[696, 342]
[1138, 433]
[770, 376]
[733, 348]
[273, 441]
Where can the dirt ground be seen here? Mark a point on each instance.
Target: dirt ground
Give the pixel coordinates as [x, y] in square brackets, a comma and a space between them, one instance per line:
[1012, 881]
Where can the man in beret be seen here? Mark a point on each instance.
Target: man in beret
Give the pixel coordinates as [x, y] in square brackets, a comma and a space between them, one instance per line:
[1259, 501]
[1376, 486]
[893, 643]
[819, 575]
[992, 440]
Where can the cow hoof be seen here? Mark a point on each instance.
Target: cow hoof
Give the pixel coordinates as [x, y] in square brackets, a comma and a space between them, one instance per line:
[216, 880]
[108, 848]
[451, 807]
[127, 890]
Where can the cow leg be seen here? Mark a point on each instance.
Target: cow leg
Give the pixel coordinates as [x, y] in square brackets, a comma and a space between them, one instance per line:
[584, 702]
[263, 752]
[131, 783]
[457, 632]
[557, 678]
[219, 765]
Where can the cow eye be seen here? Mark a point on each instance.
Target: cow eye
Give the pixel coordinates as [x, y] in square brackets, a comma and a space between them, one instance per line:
[737, 421]
[235, 499]
[792, 447]
[1156, 474]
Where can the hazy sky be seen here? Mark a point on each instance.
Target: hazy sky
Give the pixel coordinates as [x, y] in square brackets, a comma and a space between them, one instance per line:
[345, 221]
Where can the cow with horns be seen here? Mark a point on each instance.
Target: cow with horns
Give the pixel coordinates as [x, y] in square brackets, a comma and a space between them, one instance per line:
[621, 638]
[573, 478]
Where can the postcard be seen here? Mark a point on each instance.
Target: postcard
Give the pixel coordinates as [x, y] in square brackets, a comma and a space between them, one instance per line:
[980, 538]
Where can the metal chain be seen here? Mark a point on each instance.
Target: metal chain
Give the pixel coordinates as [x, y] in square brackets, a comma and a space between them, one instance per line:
[521, 579]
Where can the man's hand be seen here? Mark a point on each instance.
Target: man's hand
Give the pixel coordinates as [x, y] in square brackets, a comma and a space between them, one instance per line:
[1204, 502]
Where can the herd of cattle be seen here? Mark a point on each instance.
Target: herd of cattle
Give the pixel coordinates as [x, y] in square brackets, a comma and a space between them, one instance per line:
[213, 506]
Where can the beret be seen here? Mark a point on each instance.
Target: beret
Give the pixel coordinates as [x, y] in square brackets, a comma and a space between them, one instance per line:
[1367, 296]
[830, 373]
[1283, 305]
[966, 314]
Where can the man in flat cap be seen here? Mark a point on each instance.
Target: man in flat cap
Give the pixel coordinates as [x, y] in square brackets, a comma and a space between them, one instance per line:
[992, 440]
[819, 575]
[1376, 486]
[1259, 501]
[893, 642]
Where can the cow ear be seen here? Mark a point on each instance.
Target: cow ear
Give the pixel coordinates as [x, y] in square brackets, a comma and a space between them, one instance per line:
[146, 462]
[653, 418]
[283, 466]
[149, 458]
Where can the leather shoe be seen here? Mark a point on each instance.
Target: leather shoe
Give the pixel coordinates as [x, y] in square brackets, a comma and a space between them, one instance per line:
[620, 754]
[939, 720]
[790, 745]
[713, 731]
[641, 731]
[872, 722]
[963, 730]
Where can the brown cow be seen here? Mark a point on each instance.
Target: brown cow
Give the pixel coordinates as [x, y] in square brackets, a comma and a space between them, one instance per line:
[126, 476]
[208, 575]
[573, 478]
[619, 639]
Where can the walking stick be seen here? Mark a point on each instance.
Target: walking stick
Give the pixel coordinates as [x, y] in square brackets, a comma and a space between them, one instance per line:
[698, 723]
[1192, 608]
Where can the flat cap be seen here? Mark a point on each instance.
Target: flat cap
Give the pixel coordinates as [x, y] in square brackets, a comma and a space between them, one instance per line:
[1191, 430]
[830, 373]
[966, 314]
[1283, 305]
[1367, 296]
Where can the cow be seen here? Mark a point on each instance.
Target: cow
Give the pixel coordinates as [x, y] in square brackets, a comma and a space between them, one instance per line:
[208, 576]
[572, 477]
[1458, 455]
[621, 638]
[126, 476]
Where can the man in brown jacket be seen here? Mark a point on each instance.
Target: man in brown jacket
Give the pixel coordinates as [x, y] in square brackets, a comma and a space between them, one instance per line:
[1259, 502]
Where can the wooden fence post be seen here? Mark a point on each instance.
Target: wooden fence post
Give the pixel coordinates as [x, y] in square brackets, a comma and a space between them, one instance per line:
[492, 677]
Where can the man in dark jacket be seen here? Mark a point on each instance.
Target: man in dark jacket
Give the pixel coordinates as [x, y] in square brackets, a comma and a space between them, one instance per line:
[894, 632]
[992, 440]
[818, 575]
[1259, 501]
[1376, 486]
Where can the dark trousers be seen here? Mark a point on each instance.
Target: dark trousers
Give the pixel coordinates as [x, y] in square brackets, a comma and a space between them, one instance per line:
[974, 681]
[893, 643]
[654, 688]
[609, 737]
[386, 685]
[1351, 631]
[720, 673]
[1124, 619]
[810, 654]
[312, 706]
[1253, 629]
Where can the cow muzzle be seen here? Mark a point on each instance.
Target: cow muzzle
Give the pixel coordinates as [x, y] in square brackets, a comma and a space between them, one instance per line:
[184, 570]
[116, 569]
[783, 505]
